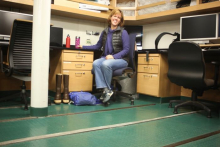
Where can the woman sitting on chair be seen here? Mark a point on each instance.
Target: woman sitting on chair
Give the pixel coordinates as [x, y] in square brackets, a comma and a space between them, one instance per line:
[114, 41]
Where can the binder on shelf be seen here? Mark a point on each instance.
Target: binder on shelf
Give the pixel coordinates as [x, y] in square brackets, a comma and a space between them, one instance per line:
[90, 10]
[91, 7]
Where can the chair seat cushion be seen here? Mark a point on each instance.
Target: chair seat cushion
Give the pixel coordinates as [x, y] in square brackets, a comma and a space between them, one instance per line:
[119, 72]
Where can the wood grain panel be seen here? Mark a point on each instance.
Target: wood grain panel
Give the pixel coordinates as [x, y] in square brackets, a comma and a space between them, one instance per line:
[77, 57]
[10, 83]
[148, 84]
[151, 60]
[166, 88]
[79, 80]
[148, 68]
[77, 65]
[55, 67]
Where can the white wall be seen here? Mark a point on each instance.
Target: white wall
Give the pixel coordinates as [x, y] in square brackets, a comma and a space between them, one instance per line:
[77, 27]
[151, 31]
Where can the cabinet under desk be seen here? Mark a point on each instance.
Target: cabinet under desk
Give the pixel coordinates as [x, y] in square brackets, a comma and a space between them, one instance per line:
[77, 64]
[152, 75]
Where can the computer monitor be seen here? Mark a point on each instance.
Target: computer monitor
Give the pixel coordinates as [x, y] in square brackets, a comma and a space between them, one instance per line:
[200, 27]
[6, 21]
[139, 31]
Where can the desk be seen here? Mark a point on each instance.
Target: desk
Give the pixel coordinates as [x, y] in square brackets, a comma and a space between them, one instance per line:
[166, 89]
[156, 83]
[210, 45]
[75, 62]
[152, 76]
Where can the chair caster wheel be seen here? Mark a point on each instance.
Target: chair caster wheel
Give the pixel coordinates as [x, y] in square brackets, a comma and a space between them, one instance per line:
[209, 115]
[175, 112]
[106, 104]
[170, 105]
[132, 102]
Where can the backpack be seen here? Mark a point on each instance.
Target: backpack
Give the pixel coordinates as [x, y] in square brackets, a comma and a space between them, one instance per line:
[83, 98]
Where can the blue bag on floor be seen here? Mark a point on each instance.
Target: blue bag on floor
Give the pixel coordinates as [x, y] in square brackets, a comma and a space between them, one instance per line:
[83, 98]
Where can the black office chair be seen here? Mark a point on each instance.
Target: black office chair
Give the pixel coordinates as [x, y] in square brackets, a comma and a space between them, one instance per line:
[20, 57]
[187, 69]
[123, 73]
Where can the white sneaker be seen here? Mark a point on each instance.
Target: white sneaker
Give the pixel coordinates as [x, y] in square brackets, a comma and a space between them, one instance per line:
[108, 96]
[103, 95]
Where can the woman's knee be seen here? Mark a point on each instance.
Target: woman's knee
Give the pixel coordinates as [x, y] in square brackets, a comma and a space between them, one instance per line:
[105, 65]
[96, 64]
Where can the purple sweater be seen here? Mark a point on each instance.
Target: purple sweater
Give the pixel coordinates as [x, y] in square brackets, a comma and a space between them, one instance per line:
[108, 46]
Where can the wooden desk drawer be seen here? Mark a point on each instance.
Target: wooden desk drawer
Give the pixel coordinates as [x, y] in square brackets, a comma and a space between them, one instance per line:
[77, 57]
[151, 60]
[78, 51]
[79, 80]
[148, 68]
[77, 65]
[148, 84]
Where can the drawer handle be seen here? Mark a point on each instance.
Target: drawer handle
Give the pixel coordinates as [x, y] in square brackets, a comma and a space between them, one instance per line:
[79, 56]
[147, 76]
[78, 74]
[148, 67]
[79, 65]
[149, 59]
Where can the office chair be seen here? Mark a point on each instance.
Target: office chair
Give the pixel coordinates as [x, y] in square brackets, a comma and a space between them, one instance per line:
[123, 73]
[20, 56]
[187, 69]
[127, 72]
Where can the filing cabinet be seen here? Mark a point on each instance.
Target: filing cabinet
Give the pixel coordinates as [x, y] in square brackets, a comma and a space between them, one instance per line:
[152, 76]
[77, 64]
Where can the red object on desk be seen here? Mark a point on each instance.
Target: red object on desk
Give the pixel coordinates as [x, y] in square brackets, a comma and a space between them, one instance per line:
[68, 41]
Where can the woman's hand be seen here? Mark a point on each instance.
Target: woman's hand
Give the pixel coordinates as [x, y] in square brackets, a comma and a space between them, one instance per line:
[109, 57]
[80, 47]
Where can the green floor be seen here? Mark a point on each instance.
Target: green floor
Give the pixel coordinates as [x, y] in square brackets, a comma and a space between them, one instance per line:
[158, 129]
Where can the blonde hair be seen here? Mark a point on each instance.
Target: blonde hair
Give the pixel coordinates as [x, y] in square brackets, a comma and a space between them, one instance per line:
[116, 11]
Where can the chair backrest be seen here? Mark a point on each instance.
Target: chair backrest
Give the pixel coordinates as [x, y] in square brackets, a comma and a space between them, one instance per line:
[131, 62]
[186, 65]
[20, 48]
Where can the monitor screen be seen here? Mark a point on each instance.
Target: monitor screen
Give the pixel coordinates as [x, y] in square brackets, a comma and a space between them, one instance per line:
[6, 21]
[199, 27]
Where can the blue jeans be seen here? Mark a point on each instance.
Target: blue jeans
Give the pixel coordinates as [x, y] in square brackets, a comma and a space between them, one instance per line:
[103, 70]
